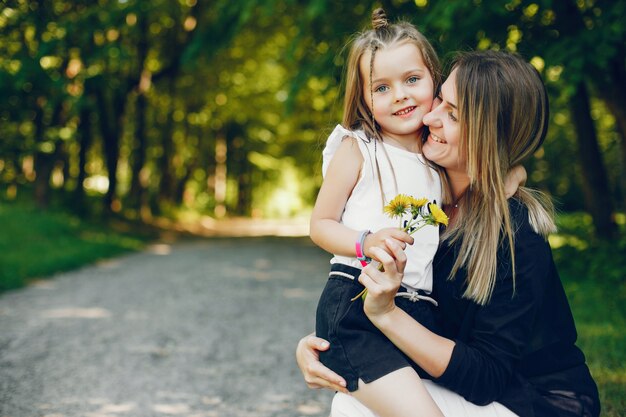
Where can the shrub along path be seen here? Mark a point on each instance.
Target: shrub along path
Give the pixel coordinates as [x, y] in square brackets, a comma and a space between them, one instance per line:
[200, 328]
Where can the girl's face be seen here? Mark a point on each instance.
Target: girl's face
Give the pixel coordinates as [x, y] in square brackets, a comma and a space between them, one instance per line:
[443, 143]
[402, 89]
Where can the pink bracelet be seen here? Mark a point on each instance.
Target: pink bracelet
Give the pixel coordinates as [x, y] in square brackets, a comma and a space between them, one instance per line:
[358, 246]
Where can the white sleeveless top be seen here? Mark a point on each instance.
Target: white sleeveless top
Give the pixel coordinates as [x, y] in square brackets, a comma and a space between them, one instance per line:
[364, 208]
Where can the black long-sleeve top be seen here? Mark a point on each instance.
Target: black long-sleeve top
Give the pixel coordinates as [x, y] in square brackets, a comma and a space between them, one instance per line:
[520, 345]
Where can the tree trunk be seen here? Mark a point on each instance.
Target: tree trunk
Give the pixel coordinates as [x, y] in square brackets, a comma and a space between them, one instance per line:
[167, 186]
[85, 138]
[611, 86]
[137, 189]
[64, 159]
[244, 196]
[569, 22]
[42, 163]
[238, 160]
[181, 185]
[137, 193]
[221, 150]
[619, 112]
[111, 113]
[45, 159]
[594, 182]
[189, 167]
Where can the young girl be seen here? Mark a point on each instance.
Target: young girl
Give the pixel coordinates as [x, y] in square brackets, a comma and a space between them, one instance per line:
[392, 75]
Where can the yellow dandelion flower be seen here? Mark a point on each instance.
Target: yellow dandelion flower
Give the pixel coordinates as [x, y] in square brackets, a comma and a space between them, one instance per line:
[418, 202]
[398, 206]
[438, 214]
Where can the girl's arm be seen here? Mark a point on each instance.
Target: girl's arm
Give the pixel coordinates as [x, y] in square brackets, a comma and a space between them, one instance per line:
[341, 177]
[515, 178]
[326, 229]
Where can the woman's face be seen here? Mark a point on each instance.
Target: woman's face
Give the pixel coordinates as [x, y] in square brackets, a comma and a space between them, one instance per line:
[442, 145]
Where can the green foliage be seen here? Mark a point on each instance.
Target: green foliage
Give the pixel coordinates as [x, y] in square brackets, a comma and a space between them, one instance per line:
[264, 77]
[593, 273]
[582, 257]
[35, 244]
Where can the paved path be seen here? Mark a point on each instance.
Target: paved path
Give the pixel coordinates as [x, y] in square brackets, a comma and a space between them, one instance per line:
[203, 328]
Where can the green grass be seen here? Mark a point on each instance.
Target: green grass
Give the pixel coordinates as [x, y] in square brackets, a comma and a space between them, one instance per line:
[594, 275]
[36, 244]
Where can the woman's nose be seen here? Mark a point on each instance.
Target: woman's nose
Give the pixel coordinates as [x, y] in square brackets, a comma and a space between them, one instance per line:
[430, 119]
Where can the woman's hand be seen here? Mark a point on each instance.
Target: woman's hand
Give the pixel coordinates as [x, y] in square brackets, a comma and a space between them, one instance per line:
[383, 286]
[316, 375]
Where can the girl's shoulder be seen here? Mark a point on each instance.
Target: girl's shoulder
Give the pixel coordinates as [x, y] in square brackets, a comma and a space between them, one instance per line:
[334, 141]
[340, 132]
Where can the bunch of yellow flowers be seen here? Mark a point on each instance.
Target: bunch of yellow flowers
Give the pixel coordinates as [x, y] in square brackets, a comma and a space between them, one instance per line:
[421, 210]
[423, 213]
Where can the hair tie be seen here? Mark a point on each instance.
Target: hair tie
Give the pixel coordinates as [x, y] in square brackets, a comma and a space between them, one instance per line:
[379, 19]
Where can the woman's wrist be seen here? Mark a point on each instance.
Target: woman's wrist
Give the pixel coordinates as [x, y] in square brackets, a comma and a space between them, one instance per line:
[382, 317]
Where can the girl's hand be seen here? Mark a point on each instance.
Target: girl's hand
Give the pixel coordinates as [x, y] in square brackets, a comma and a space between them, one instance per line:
[316, 375]
[400, 237]
[383, 286]
[515, 178]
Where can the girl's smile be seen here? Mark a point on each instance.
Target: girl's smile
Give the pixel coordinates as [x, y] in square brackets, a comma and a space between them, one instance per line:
[407, 111]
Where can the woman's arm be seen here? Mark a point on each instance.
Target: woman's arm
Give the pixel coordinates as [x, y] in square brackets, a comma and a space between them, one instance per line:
[315, 373]
[429, 350]
[503, 330]
[479, 366]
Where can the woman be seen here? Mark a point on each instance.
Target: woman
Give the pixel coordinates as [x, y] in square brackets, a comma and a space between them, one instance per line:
[507, 341]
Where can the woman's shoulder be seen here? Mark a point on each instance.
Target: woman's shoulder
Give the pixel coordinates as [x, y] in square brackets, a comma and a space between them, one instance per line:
[526, 237]
[518, 211]
[532, 213]
[532, 251]
[520, 217]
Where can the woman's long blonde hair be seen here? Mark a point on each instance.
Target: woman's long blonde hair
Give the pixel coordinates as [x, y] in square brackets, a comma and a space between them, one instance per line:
[503, 115]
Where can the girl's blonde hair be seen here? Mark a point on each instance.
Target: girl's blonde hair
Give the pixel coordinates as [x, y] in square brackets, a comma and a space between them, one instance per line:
[503, 115]
[356, 113]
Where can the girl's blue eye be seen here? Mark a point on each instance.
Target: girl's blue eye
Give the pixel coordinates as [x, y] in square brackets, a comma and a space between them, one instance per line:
[381, 89]
[413, 79]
